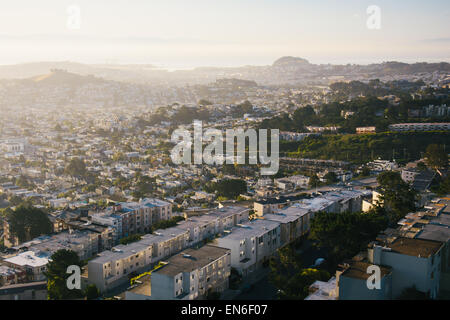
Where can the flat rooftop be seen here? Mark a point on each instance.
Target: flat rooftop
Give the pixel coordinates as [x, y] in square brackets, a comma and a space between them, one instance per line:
[254, 228]
[415, 247]
[29, 258]
[358, 270]
[192, 259]
[434, 232]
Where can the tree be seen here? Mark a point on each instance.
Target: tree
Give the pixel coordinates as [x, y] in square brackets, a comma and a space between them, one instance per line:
[331, 177]
[91, 292]
[365, 172]
[436, 157]
[444, 186]
[397, 198]
[57, 275]
[27, 222]
[314, 181]
[131, 238]
[346, 233]
[76, 168]
[291, 279]
[421, 166]
[229, 188]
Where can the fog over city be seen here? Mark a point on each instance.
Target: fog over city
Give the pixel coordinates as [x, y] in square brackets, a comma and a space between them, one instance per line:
[233, 151]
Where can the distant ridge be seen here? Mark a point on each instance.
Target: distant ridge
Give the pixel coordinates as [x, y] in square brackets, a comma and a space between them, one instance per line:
[287, 69]
[60, 76]
[286, 61]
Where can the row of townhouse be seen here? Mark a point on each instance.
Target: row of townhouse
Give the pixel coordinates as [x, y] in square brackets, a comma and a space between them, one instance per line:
[335, 201]
[112, 267]
[295, 136]
[445, 126]
[190, 274]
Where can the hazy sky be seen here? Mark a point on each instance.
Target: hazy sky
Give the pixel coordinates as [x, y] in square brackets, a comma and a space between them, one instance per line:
[187, 33]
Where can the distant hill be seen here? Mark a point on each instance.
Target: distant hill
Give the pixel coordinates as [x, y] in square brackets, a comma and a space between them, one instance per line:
[59, 76]
[284, 70]
[289, 61]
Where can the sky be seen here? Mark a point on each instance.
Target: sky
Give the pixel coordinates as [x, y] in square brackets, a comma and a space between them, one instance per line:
[178, 34]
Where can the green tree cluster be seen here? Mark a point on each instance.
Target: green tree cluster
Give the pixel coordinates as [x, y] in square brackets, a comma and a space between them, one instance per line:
[290, 278]
[28, 222]
[228, 188]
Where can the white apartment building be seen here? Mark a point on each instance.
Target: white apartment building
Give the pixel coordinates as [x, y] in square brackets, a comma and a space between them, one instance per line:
[209, 225]
[85, 243]
[294, 222]
[34, 263]
[189, 275]
[138, 217]
[251, 244]
[414, 262]
[112, 267]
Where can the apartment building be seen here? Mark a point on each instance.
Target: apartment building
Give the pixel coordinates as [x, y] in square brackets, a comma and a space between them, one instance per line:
[9, 276]
[138, 217]
[364, 130]
[414, 262]
[84, 242]
[419, 180]
[112, 267]
[111, 220]
[351, 282]
[33, 263]
[251, 244]
[442, 126]
[188, 275]
[294, 222]
[335, 201]
[432, 223]
[270, 205]
[24, 291]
